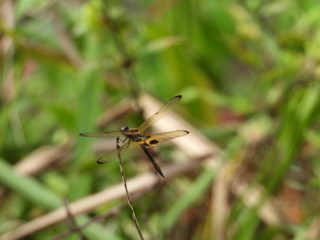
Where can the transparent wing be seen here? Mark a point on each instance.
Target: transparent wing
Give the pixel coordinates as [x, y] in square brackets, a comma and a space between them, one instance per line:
[160, 113]
[113, 155]
[158, 138]
[102, 135]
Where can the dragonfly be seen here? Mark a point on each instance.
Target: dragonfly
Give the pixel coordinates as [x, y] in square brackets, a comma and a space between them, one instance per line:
[133, 137]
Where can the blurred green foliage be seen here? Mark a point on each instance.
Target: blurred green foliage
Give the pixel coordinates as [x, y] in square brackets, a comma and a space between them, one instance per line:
[249, 74]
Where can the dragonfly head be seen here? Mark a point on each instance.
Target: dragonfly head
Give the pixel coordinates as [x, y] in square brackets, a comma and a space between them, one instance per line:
[124, 128]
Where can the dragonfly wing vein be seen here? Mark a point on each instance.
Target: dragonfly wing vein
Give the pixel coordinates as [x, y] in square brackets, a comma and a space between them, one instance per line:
[102, 135]
[166, 136]
[160, 113]
[110, 156]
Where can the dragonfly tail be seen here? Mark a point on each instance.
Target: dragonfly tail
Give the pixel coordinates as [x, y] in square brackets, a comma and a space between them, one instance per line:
[156, 166]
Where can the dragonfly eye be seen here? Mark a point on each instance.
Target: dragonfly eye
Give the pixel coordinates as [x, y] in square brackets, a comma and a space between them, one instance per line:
[124, 128]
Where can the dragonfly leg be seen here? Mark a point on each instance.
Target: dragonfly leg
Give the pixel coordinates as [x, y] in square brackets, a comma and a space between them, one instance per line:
[122, 141]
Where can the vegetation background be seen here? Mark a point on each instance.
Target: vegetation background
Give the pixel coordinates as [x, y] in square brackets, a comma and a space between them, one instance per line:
[249, 74]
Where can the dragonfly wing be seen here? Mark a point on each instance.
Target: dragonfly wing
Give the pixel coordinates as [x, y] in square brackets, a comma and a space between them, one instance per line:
[102, 135]
[129, 145]
[158, 138]
[160, 113]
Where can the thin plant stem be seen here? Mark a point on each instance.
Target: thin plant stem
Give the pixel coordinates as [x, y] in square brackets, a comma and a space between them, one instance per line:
[93, 220]
[134, 217]
[71, 222]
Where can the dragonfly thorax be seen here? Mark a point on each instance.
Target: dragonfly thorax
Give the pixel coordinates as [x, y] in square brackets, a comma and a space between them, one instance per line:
[134, 134]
